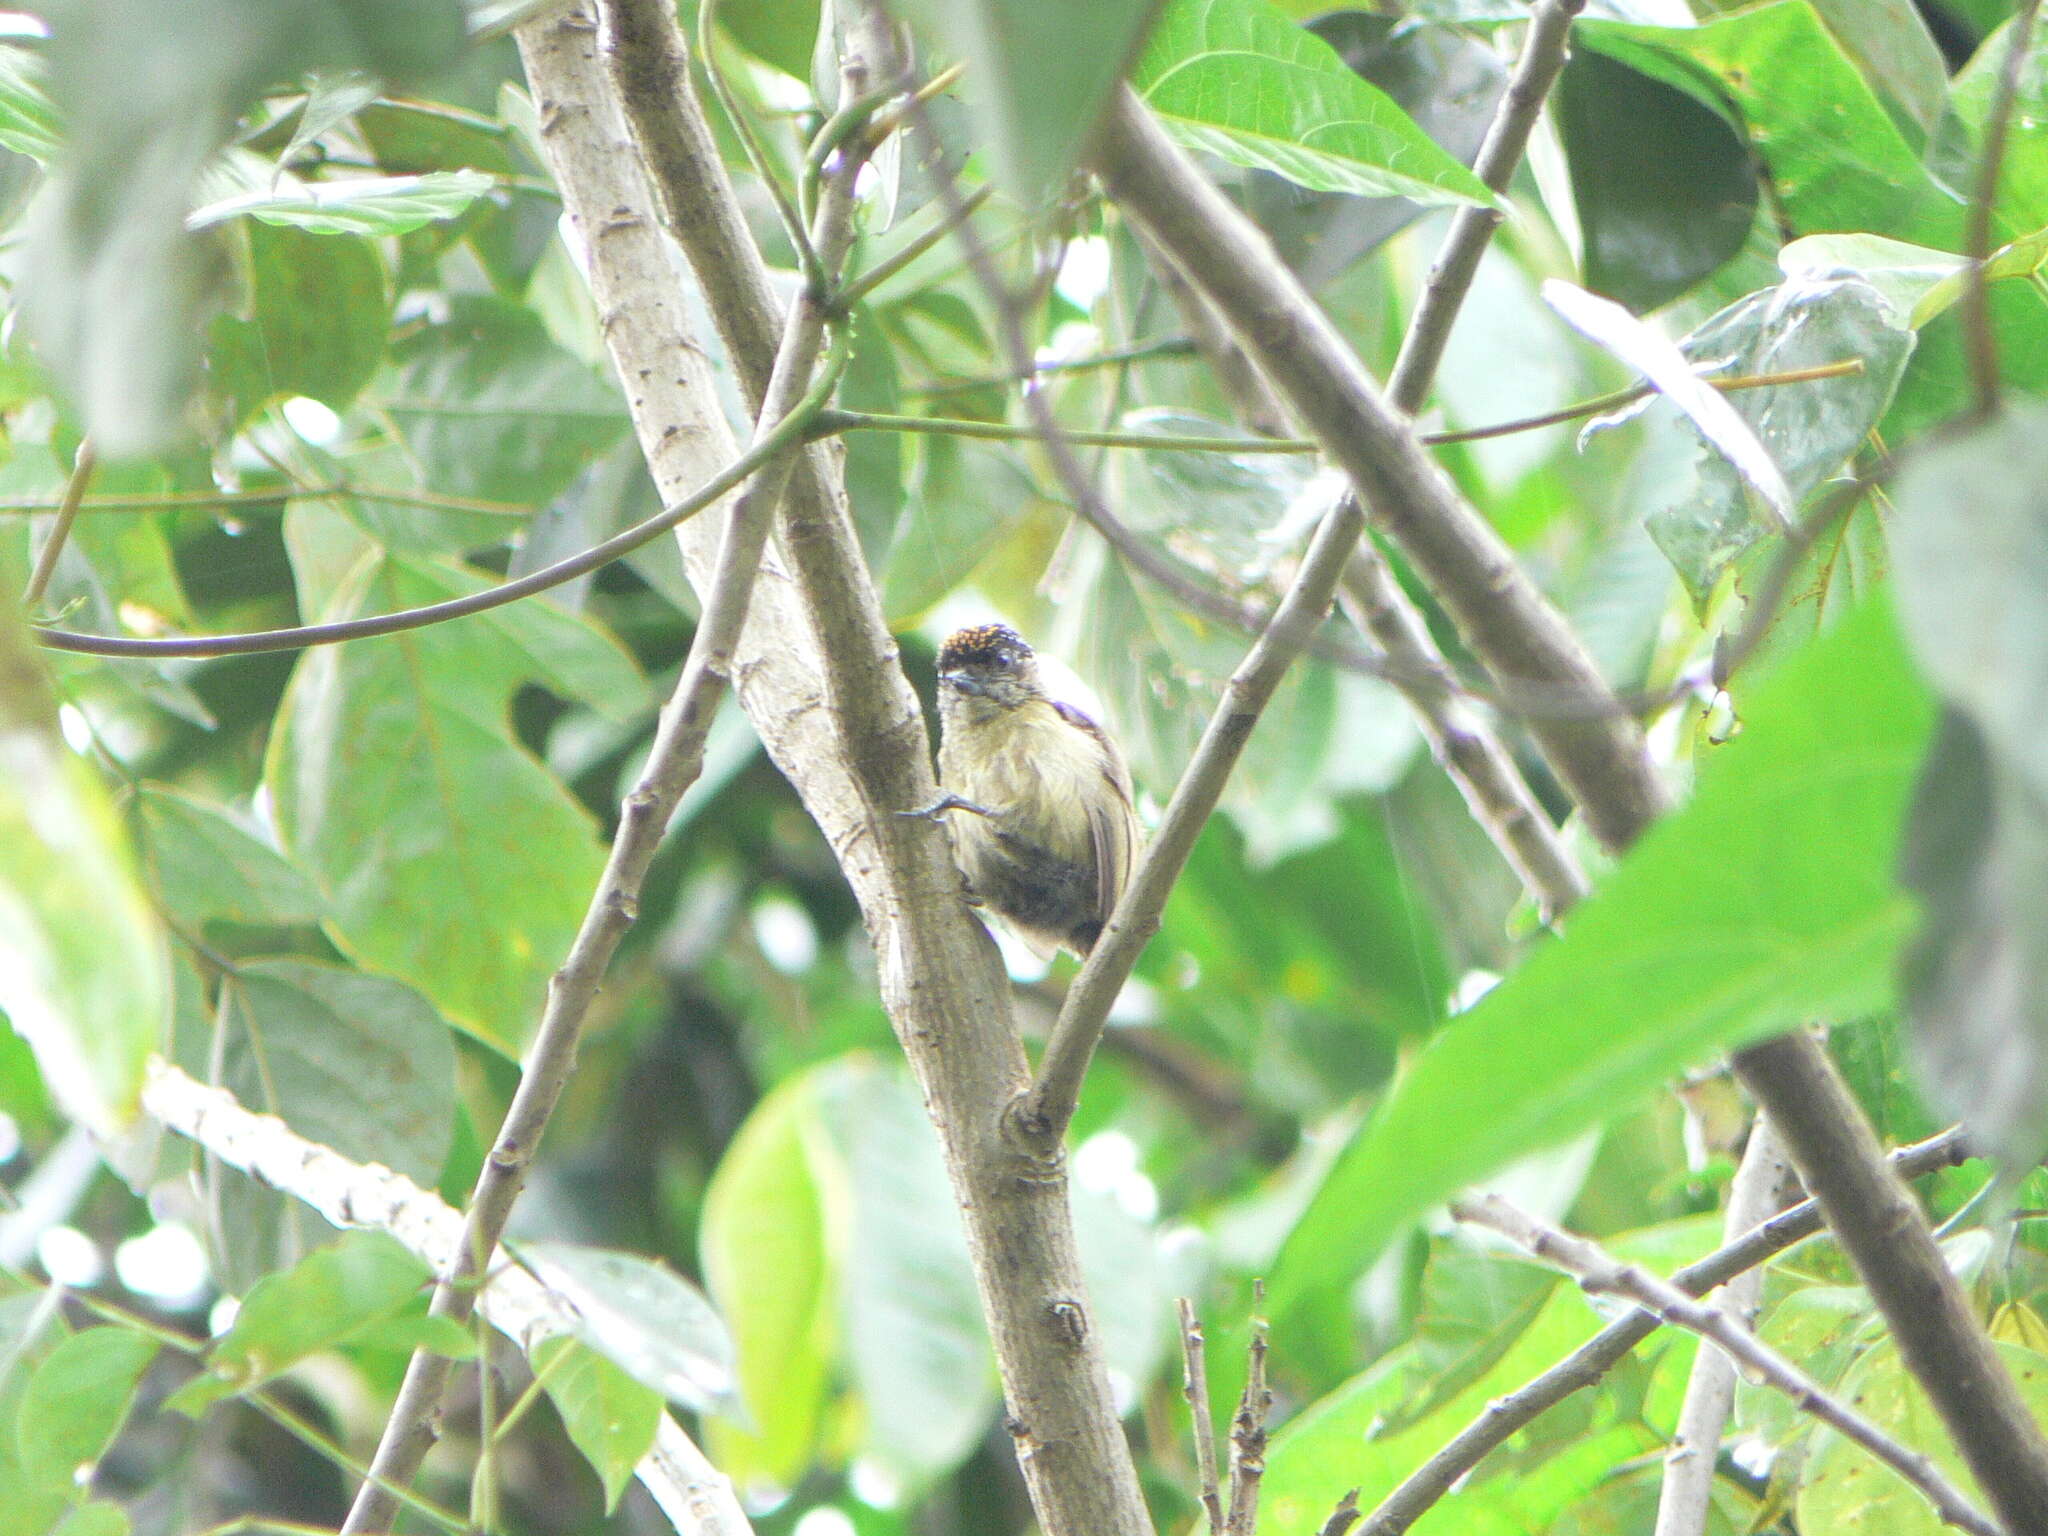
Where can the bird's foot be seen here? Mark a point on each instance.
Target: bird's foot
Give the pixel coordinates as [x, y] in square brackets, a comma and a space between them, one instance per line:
[946, 803]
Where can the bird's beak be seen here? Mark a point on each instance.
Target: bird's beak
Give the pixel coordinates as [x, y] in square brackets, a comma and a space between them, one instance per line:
[963, 682]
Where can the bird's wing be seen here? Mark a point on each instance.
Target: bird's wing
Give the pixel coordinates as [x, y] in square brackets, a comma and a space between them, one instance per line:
[1112, 824]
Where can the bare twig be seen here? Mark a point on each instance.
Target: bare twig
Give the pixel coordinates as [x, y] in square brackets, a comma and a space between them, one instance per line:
[855, 289]
[1753, 1196]
[1195, 1388]
[1507, 1415]
[1248, 1434]
[695, 1495]
[765, 450]
[1343, 1517]
[1981, 345]
[1598, 1271]
[164, 501]
[673, 763]
[1507, 137]
[60, 529]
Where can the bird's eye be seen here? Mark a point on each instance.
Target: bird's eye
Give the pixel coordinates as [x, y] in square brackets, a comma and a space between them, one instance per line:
[1005, 661]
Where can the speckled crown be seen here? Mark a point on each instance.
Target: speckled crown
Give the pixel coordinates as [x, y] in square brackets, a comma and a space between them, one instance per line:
[981, 644]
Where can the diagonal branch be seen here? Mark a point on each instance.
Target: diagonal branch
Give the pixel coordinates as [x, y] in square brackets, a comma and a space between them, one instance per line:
[1507, 1415]
[1599, 1272]
[1600, 757]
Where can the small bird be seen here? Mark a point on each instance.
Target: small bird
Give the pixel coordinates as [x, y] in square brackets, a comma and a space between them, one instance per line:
[1049, 835]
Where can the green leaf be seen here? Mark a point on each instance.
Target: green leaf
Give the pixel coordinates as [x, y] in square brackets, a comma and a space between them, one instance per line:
[645, 1318]
[29, 124]
[770, 1271]
[327, 1298]
[1650, 235]
[1767, 900]
[99, 1518]
[490, 407]
[1972, 560]
[319, 311]
[1807, 430]
[31, 1325]
[1844, 1489]
[77, 1400]
[783, 34]
[356, 205]
[479, 926]
[611, 1418]
[1918, 282]
[913, 1331]
[1237, 79]
[1355, 1437]
[2022, 200]
[965, 498]
[1646, 351]
[205, 863]
[1038, 73]
[358, 1063]
[116, 284]
[83, 974]
[1833, 155]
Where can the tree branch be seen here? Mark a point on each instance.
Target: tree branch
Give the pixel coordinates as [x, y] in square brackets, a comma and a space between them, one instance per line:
[1599, 1272]
[1754, 1195]
[674, 761]
[1600, 756]
[60, 530]
[864, 757]
[1506, 1416]
[696, 1496]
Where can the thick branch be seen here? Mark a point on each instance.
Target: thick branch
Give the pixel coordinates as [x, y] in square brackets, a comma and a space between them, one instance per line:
[1684, 1500]
[696, 1496]
[942, 980]
[1600, 1272]
[673, 763]
[1518, 636]
[1506, 620]
[1506, 1416]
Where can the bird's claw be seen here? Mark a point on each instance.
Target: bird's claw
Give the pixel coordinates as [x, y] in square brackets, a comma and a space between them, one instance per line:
[946, 803]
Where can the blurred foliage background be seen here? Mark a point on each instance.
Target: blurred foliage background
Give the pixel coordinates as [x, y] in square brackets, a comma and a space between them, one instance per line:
[300, 269]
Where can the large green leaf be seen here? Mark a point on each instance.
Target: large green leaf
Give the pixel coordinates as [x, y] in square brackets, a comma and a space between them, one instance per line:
[1237, 79]
[358, 1063]
[83, 974]
[769, 1265]
[363, 1280]
[205, 863]
[1834, 157]
[1664, 187]
[75, 1403]
[358, 205]
[1038, 73]
[447, 855]
[318, 313]
[1766, 901]
[490, 406]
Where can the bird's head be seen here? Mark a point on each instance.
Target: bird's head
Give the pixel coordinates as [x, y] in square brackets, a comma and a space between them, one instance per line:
[989, 663]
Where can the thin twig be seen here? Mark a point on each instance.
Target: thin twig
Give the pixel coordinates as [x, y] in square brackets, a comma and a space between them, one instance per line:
[1509, 1414]
[1195, 1388]
[60, 531]
[1754, 1195]
[1982, 346]
[854, 289]
[1600, 1272]
[1343, 1517]
[1248, 1433]
[815, 280]
[765, 450]
[166, 501]
[1165, 347]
